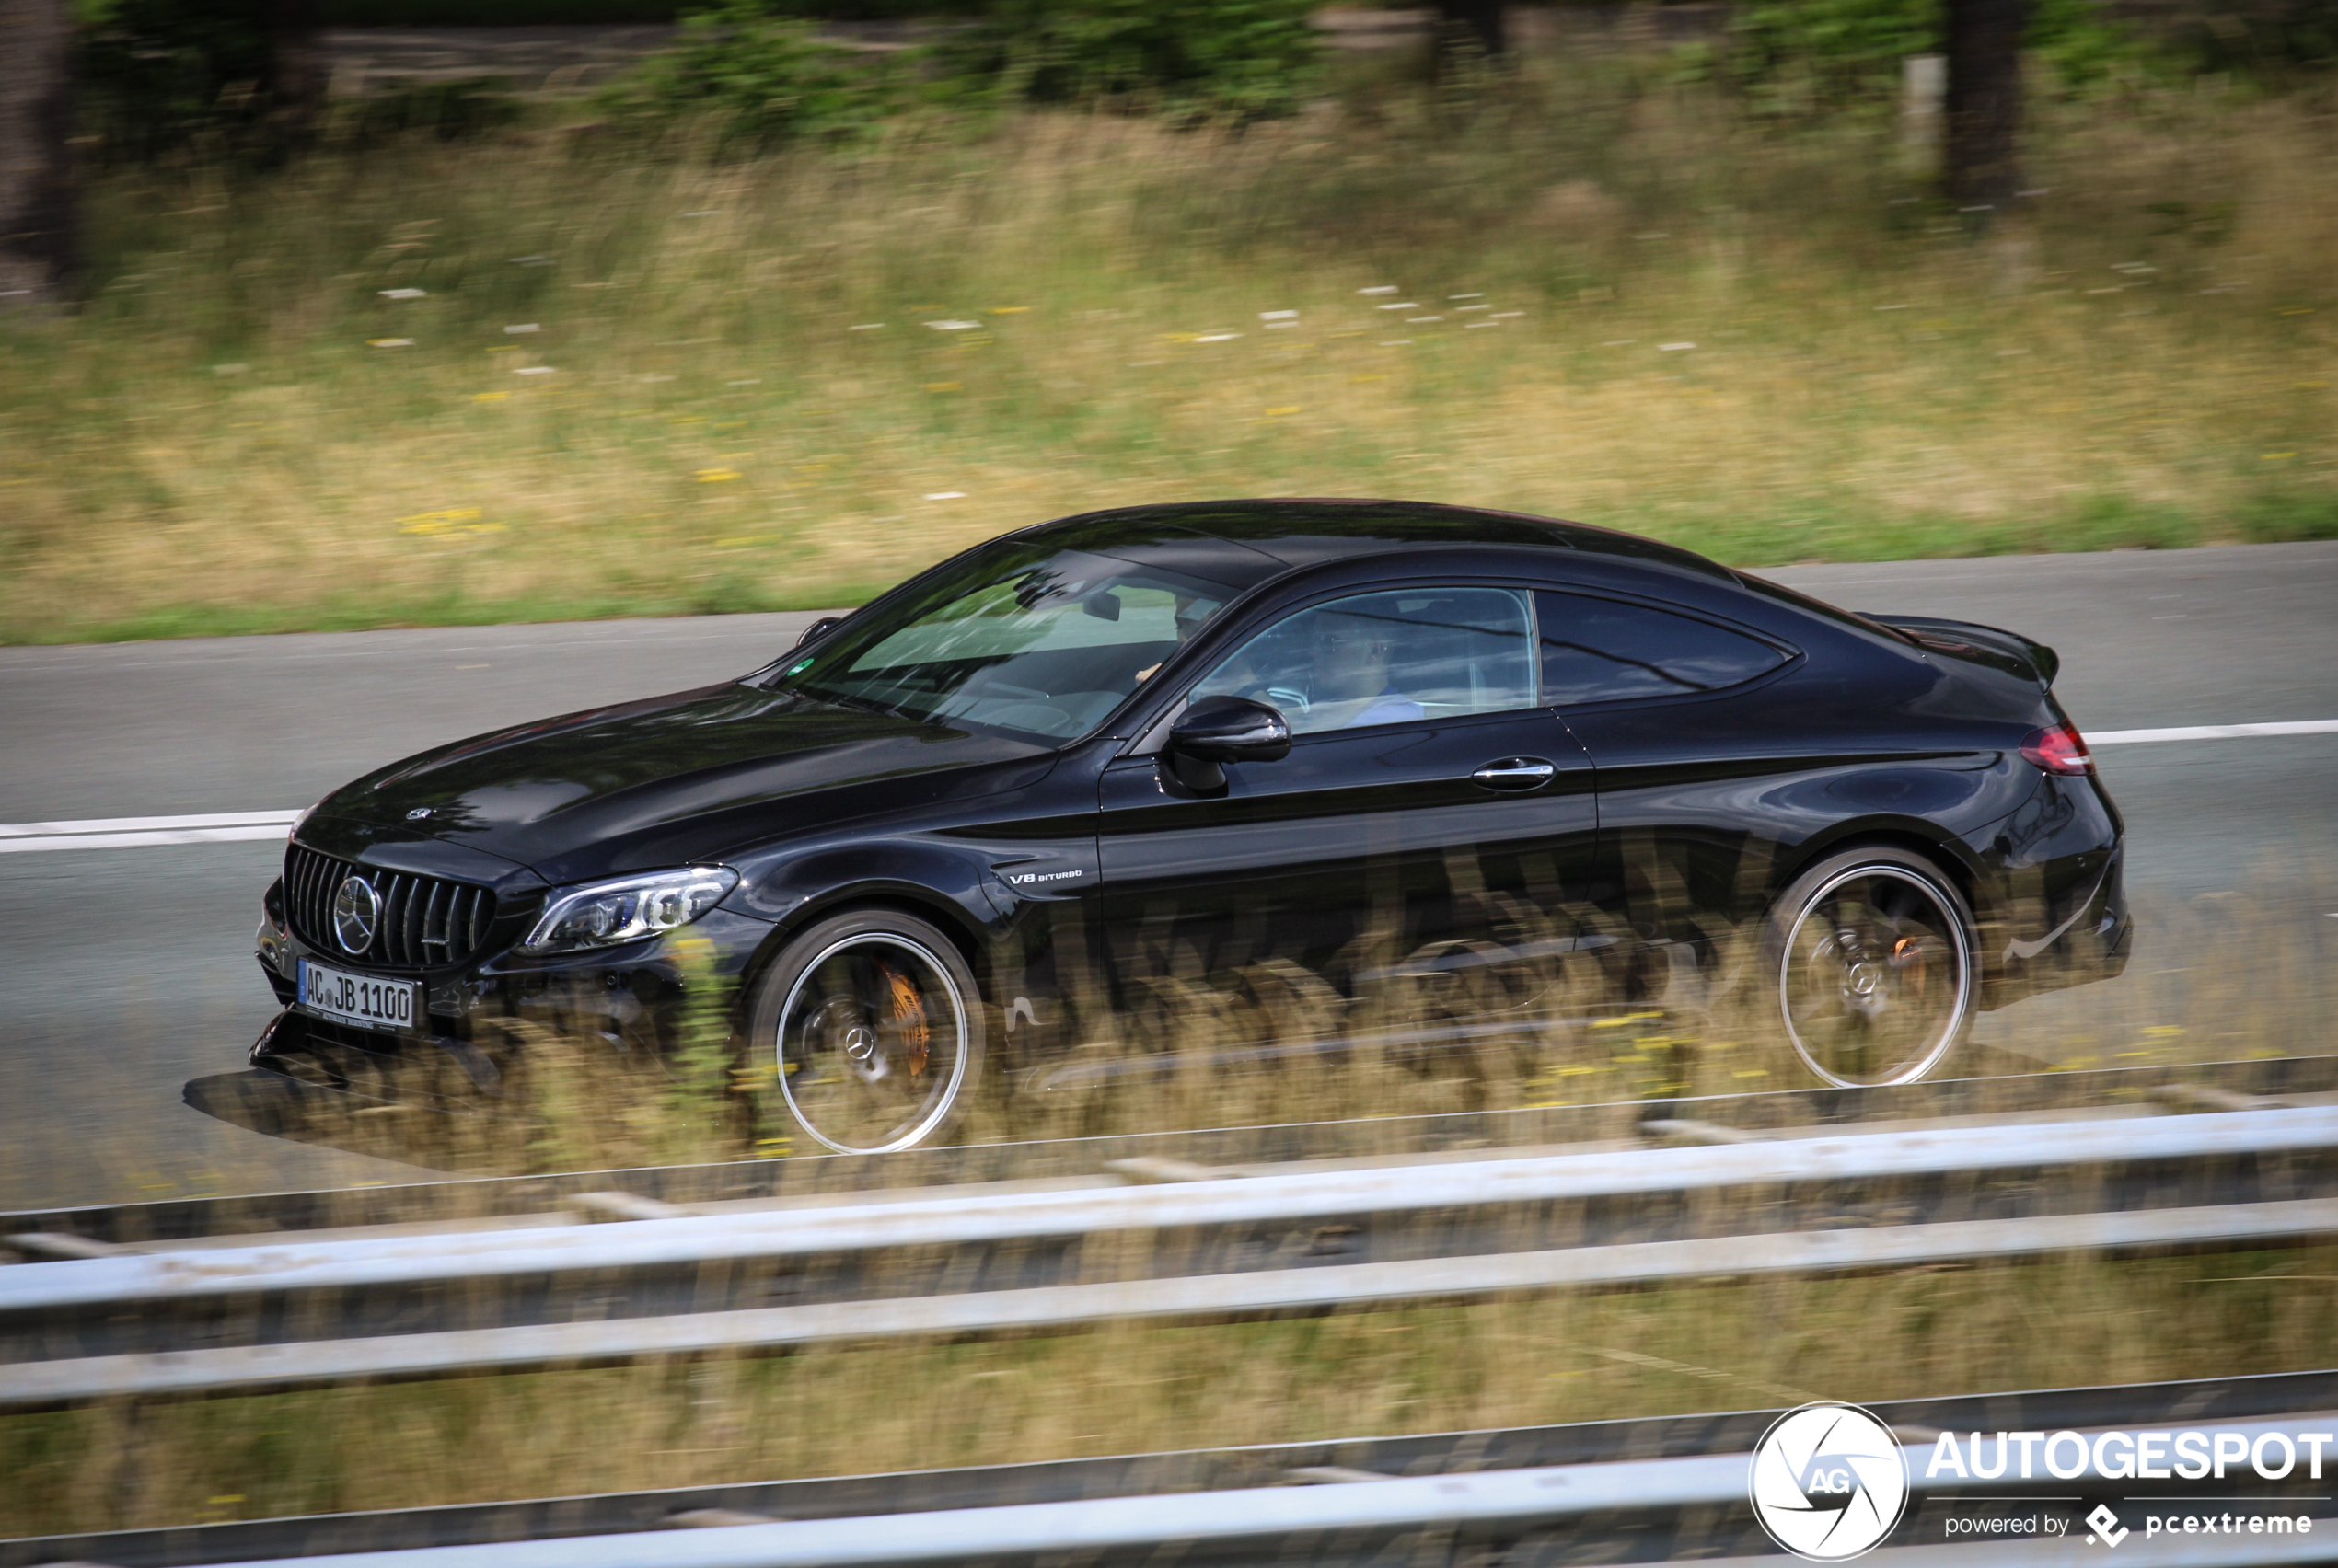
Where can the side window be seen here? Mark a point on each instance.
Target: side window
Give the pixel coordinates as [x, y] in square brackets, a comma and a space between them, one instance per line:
[1600, 650]
[1389, 657]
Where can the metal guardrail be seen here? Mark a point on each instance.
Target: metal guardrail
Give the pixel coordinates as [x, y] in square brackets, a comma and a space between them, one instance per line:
[932, 1264]
[1634, 1491]
[1513, 1498]
[2129, 1090]
[1504, 1503]
[2167, 1551]
[949, 1220]
[259, 1367]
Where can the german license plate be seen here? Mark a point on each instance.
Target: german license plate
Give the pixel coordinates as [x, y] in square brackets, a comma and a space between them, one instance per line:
[359, 999]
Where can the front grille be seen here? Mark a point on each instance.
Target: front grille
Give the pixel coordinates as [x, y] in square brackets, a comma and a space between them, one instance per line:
[425, 922]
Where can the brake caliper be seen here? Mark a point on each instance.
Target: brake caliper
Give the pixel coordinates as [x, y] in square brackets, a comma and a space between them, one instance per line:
[908, 1019]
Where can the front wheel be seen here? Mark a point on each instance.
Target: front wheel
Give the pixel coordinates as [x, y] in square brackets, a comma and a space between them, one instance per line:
[874, 1024]
[1872, 954]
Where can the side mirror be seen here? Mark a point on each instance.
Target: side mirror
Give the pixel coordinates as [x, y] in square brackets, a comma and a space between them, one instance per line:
[819, 628]
[1217, 730]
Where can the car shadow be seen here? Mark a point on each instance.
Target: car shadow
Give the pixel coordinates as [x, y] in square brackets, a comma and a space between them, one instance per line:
[278, 1107]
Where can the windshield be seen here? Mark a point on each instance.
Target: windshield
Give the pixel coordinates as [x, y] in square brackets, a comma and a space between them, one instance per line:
[1021, 638]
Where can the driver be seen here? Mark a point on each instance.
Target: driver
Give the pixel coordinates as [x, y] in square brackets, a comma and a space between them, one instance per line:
[1348, 683]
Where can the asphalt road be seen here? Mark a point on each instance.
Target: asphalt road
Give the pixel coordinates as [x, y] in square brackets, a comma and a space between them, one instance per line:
[126, 975]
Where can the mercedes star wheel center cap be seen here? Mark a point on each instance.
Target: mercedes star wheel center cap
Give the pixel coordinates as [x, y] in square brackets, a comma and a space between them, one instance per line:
[355, 909]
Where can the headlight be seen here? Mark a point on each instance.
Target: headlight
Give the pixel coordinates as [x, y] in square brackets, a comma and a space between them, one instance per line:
[625, 910]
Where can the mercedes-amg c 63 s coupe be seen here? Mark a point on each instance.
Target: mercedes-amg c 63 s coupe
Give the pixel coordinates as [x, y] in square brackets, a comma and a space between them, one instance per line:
[1306, 733]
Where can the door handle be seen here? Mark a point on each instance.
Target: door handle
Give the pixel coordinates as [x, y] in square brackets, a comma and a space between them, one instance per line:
[1515, 775]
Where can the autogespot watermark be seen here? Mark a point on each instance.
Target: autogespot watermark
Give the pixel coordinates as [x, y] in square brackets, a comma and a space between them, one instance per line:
[1829, 1482]
[2259, 1452]
[1832, 1482]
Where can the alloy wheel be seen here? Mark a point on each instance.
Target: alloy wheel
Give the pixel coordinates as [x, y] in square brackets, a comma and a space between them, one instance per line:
[874, 1043]
[1875, 976]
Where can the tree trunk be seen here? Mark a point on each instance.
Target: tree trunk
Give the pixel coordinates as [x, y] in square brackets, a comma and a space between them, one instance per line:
[1981, 161]
[1474, 24]
[37, 206]
[294, 89]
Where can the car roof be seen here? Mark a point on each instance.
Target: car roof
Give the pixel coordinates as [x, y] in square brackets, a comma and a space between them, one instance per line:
[1246, 541]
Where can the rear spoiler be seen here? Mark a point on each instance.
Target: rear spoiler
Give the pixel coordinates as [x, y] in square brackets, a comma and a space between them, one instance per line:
[1994, 646]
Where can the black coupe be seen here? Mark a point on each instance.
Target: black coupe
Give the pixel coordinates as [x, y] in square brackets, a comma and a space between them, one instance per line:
[1258, 730]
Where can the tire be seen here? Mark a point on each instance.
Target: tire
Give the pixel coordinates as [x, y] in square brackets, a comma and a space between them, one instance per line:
[1874, 966]
[875, 1025]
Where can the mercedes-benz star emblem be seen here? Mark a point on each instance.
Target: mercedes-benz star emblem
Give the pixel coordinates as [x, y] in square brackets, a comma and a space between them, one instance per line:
[1828, 1482]
[355, 908]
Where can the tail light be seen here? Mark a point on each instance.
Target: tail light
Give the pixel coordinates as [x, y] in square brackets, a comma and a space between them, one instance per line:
[2059, 750]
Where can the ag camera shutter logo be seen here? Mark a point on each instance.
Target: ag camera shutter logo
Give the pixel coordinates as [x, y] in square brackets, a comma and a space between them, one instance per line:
[1828, 1482]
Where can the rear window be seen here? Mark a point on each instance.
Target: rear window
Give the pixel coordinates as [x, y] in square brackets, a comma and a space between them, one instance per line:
[1605, 650]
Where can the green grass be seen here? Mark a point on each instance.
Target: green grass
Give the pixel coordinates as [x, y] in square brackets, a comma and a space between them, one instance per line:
[216, 444]
[368, 613]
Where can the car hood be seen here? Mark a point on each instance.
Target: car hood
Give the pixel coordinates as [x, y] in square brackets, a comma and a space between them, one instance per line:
[689, 776]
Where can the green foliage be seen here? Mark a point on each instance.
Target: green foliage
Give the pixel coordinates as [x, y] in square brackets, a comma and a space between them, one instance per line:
[160, 74]
[1832, 50]
[2258, 38]
[1807, 54]
[167, 75]
[2081, 43]
[492, 13]
[1193, 60]
[761, 80]
[580, 13]
[449, 110]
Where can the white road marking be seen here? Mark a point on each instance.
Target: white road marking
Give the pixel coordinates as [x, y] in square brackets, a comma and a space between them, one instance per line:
[231, 828]
[147, 825]
[2212, 732]
[141, 840]
[131, 833]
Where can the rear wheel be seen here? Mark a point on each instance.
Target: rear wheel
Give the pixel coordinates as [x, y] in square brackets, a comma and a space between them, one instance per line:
[875, 1025]
[1873, 957]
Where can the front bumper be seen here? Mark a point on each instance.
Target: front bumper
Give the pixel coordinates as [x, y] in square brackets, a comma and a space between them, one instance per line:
[371, 1065]
[640, 997]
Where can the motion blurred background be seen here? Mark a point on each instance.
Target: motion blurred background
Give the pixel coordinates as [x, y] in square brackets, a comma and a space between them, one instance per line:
[324, 316]
[377, 320]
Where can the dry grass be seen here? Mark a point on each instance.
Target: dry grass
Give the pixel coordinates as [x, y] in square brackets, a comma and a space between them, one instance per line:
[2256, 984]
[1129, 1389]
[213, 444]
[2239, 976]
[1265, 1042]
